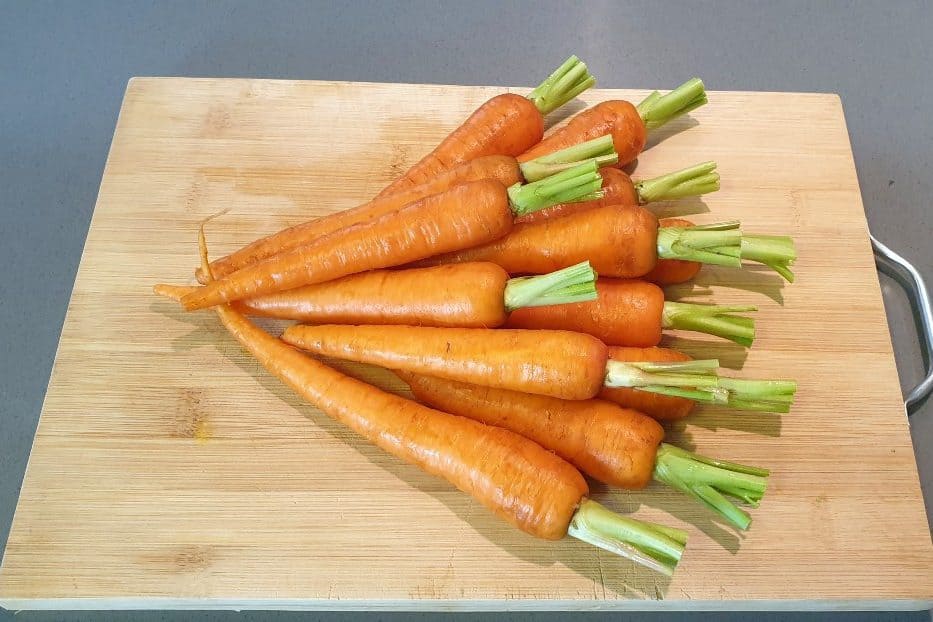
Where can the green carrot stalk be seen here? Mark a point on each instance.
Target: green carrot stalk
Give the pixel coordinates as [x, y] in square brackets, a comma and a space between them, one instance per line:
[689, 182]
[600, 150]
[657, 109]
[567, 82]
[717, 320]
[574, 284]
[581, 183]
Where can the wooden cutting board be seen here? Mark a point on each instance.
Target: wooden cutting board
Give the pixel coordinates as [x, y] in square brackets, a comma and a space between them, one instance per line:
[169, 470]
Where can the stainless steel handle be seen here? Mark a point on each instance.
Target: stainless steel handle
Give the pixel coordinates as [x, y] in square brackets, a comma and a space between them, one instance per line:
[920, 302]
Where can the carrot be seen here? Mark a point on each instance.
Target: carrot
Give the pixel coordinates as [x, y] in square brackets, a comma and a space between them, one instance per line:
[468, 295]
[555, 363]
[619, 189]
[672, 271]
[464, 216]
[623, 242]
[633, 313]
[614, 445]
[657, 406]
[515, 478]
[507, 124]
[629, 125]
[503, 169]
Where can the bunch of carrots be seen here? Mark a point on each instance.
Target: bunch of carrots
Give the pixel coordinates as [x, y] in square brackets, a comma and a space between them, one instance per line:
[474, 278]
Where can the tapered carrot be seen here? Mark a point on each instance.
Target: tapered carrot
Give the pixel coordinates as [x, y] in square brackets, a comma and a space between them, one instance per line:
[614, 445]
[504, 169]
[629, 125]
[623, 242]
[515, 478]
[619, 189]
[633, 313]
[672, 403]
[464, 216]
[468, 295]
[556, 363]
[507, 124]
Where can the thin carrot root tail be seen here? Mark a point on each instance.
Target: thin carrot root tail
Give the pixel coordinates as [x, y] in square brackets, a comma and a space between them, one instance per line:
[174, 292]
[600, 151]
[657, 110]
[689, 182]
[654, 546]
[711, 481]
[576, 283]
[567, 82]
[775, 251]
[717, 320]
[580, 183]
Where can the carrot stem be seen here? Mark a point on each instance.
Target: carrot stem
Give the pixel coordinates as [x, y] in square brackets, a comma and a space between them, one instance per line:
[719, 244]
[649, 544]
[717, 320]
[580, 183]
[567, 81]
[576, 283]
[688, 182]
[774, 396]
[775, 251]
[697, 380]
[657, 109]
[601, 150]
[710, 481]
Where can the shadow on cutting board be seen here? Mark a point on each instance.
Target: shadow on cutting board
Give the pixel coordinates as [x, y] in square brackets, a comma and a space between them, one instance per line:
[751, 278]
[625, 578]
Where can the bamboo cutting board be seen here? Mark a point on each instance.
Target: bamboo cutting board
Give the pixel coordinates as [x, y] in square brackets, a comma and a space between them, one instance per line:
[169, 470]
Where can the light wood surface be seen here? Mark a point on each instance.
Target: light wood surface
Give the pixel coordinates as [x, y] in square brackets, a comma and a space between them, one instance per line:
[169, 470]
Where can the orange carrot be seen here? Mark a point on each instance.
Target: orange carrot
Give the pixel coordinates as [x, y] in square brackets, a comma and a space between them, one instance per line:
[628, 124]
[633, 313]
[619, 189]
[622, 242]
[507, 124]
[515, 478]
[503, 169]
[557, 363]
[614, 445]
[660, 407]
[468, 295]
[464, 216]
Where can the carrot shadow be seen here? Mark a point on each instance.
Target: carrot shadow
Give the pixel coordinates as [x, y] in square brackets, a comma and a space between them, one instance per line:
[710, 418]
[684, 508]
[751, 278]
[678, 208]
[678, 125]
[627, 579]
[730, 355]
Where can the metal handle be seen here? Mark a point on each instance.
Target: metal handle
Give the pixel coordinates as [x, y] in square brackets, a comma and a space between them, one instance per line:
[923, 311]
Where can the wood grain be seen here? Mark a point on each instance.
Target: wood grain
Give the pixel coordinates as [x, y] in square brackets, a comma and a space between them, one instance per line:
[168, 470]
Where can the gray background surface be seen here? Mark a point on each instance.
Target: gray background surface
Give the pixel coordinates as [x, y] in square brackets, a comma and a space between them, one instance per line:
[64, 66]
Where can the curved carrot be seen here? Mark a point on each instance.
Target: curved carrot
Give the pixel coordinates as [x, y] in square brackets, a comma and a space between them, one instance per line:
[619, 189]
[614, 445]
[628, 124]
[507, 124]
[660, 407]
[557, 363]
[503, 169]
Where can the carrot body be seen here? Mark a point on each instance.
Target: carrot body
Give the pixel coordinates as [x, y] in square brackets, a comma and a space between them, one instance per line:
[660, 407]
[556, 363]
[466, 295]
[612, 444]
[617, 117]
[626, 313]
[618, 189]
[464, 216]
[503, 169]
[515, 478]
[618, 241]
[673, 271]
[508, 124]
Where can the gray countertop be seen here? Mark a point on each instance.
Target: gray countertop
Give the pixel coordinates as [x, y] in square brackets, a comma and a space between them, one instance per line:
[64, 66]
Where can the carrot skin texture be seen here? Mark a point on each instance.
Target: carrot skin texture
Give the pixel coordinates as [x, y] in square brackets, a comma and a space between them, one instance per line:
[517, 479]
[508, 124]
[611, 444]
[618, 189]
[617, 117]
[465, 215]
[503, 169]
[618, 241]
[673, 271]
[626, 313]
[466, 295]
[556, 363]
[660, 407]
